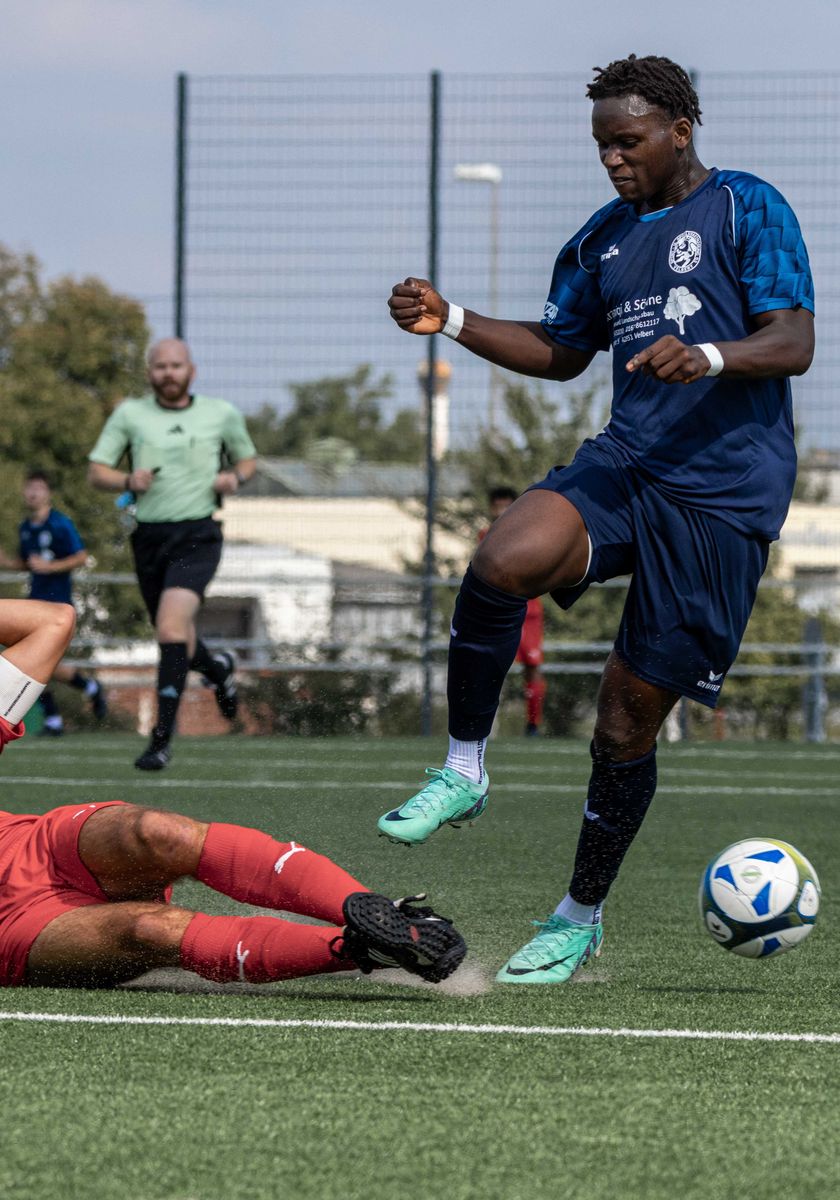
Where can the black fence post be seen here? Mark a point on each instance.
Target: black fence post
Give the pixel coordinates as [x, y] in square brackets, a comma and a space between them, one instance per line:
[180, 203]
[814, 698]
[428, 599]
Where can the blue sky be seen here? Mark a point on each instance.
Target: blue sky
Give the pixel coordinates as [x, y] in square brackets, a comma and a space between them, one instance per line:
[88, 88]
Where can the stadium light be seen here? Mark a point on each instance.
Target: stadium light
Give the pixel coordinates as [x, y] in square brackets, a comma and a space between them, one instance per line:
[488, 172]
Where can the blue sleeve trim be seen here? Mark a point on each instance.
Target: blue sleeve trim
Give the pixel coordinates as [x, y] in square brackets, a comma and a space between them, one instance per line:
[774, 267]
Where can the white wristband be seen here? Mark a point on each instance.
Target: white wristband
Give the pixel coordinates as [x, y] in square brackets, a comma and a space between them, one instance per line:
[17, 691]
[714, 356]
[454, 322]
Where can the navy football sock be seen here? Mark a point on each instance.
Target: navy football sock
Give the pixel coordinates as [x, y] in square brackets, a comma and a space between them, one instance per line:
[484, 638]
[619, 796]
[172, 676]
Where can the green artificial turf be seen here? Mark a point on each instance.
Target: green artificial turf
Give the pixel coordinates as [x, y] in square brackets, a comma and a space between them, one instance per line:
[215, 1112]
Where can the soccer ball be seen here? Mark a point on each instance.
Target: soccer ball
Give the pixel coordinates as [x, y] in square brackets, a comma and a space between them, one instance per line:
[759, 897]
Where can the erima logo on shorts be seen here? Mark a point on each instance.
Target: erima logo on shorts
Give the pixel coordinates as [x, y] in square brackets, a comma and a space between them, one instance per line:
[686, 251]
[712, 684]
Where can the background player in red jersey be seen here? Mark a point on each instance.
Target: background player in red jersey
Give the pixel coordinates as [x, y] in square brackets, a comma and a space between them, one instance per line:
[530, 652]
[85, 888]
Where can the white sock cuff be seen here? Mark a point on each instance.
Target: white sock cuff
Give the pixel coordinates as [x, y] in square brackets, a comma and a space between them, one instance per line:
[17, 691]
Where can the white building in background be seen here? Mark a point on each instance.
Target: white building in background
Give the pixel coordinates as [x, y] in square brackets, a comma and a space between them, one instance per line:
[325, 557]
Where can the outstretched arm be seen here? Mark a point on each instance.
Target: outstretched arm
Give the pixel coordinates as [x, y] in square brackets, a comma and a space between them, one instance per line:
[521, 346]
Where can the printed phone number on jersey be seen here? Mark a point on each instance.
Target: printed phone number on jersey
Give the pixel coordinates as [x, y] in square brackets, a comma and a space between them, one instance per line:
[634, 320]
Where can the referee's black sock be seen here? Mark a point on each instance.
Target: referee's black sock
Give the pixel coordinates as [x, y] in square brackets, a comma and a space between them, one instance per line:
[172, 676]
[79, 681]
[206, 665]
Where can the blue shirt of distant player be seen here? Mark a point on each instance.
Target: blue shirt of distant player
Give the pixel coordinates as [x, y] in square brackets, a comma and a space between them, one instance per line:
[56, 537]
[699, 270]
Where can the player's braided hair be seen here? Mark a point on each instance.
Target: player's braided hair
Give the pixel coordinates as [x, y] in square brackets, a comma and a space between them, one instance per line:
[658, 80]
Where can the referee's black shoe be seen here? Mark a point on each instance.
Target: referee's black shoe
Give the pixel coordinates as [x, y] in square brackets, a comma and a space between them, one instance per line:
[155, 758]
[227, 696]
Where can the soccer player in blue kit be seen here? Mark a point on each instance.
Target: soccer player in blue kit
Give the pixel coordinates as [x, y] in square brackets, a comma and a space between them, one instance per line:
[698, 280]
[50, 548]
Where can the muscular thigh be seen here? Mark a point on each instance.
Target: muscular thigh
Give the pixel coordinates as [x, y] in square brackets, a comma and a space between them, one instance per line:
[104, 944]
[538, 544]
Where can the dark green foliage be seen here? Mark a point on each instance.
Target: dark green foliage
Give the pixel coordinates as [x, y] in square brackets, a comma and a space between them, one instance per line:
[71, 349]
[345, 412]
[318, 703]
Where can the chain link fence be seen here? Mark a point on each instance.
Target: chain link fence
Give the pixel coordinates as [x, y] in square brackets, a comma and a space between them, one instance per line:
[303, 199]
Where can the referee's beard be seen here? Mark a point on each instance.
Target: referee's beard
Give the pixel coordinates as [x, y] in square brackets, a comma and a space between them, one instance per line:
[172, 394]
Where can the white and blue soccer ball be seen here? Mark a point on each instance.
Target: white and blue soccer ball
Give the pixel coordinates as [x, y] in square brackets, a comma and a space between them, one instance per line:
[759, 897]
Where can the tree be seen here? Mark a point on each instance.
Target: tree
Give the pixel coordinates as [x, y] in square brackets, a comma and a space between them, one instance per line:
[71, 349]
[346, 408]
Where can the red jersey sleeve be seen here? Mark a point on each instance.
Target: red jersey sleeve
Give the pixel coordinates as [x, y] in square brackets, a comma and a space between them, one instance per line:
[10, 733]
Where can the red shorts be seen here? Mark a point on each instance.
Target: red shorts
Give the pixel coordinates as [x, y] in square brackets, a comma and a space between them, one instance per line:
[41, 877]
[530, 651]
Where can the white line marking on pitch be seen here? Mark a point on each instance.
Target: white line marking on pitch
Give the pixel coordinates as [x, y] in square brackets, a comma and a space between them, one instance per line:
[703, 1035]
[234, 785]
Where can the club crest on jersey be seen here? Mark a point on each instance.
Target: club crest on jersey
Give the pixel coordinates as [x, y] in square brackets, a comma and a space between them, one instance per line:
[685, 252]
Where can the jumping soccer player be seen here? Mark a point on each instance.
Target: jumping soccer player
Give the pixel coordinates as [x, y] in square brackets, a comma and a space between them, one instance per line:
[698, 279]
[50, 548]
[530, 649]
[85, 888]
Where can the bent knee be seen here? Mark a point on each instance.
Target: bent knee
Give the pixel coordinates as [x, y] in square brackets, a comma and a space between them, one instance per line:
[167, 843]
[154, 928]
[63, 619]
[508, 568]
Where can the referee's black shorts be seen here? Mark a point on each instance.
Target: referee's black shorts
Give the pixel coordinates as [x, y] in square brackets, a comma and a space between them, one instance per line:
[175, 554]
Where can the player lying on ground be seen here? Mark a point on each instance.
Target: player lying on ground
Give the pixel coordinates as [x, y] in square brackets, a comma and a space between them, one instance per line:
[698, 280]
[85, 889]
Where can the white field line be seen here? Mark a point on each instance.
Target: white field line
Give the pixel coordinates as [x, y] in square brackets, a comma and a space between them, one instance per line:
[702, 1035]
[388, 785]
[673, 769]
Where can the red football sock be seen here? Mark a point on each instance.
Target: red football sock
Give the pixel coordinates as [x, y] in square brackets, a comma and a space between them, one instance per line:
[534, 694]
[258, 949]
[250, 866]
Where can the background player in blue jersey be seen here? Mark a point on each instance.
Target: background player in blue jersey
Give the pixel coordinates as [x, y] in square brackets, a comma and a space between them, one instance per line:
[50, 548]
[698, 280]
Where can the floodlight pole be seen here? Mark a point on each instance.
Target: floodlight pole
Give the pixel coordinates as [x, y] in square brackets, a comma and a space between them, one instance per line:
[179, 313]
[491, 173]
[429, 570]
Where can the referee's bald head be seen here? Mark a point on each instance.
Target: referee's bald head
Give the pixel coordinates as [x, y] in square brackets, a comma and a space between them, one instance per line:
[165, 347]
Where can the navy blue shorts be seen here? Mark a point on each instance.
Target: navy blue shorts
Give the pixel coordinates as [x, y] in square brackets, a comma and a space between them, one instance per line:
[694, 576]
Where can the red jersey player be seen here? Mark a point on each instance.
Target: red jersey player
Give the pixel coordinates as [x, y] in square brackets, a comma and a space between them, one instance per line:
[530, 652]
[85, 889]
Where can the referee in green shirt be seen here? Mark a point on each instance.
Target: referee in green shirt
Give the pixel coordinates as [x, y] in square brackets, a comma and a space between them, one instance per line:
[175, 441]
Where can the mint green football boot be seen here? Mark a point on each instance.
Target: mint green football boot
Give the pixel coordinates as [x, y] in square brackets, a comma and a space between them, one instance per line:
[554, 954]
[447, 799]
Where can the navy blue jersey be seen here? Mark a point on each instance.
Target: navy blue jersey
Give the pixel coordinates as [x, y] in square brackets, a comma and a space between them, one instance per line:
[700, 270]
[57, 537]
